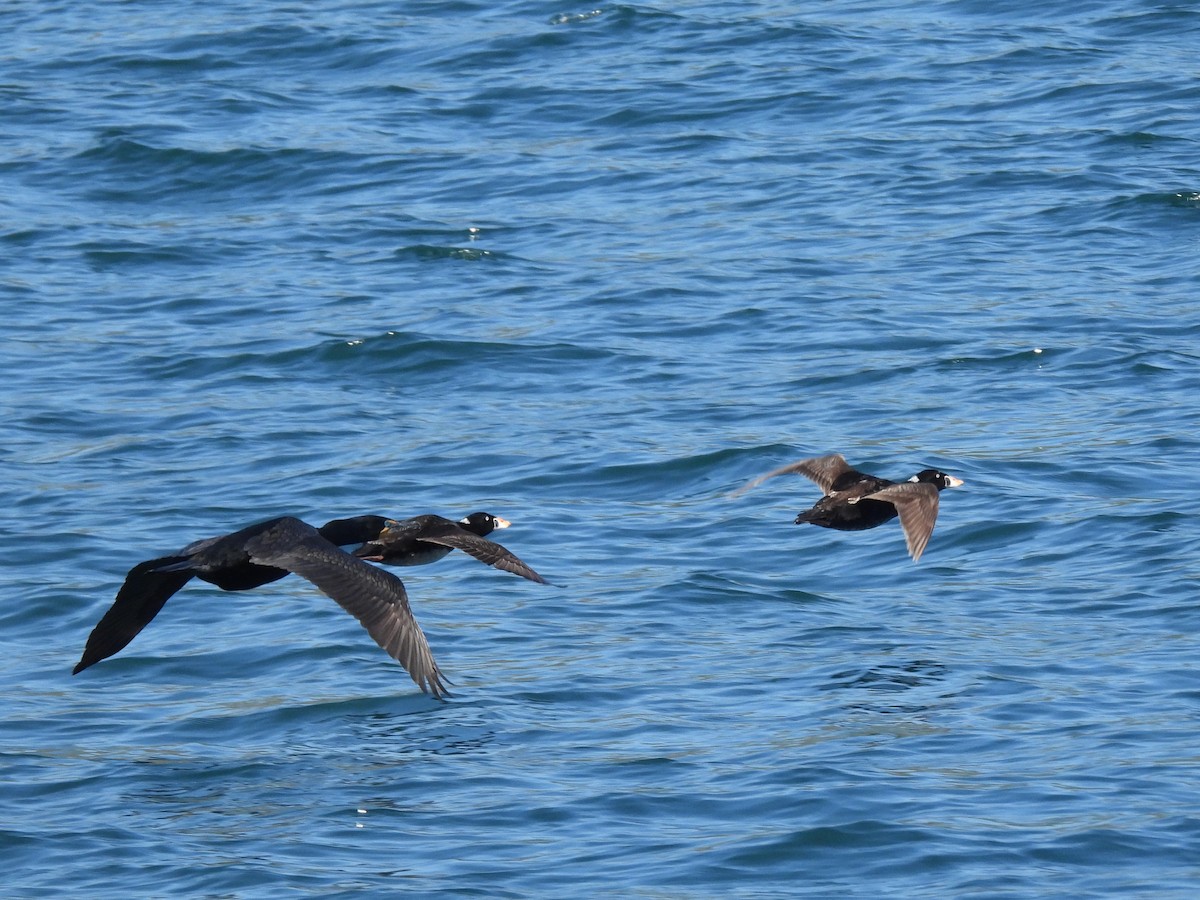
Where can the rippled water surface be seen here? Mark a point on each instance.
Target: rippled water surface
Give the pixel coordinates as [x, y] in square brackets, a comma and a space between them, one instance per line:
[592, 269]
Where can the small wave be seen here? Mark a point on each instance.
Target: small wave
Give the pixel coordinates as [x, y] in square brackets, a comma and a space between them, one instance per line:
[430, 251]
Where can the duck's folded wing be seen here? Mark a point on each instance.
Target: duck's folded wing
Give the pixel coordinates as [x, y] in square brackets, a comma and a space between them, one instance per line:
[373, 596]
[482, 549]
[917, 505]
[824, 470]
[145, 591]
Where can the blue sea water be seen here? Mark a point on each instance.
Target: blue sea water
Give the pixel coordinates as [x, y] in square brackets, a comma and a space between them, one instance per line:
[592, 269]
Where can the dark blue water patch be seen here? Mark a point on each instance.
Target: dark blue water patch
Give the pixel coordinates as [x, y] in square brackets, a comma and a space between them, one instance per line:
[126, 170]
[411, 353]
[1167, 209]
[26, 238]
[378, 238]
[701, 475]
[221, 52]
[133, 255]
[1005, 360]
[767, 857]
[432, 252]
[301, 46]
[53, 437]
[520, 42]
[1163, 23]
[384, 363]
[299, 718]
[1147, 140]
[620, 18]
[891, 678]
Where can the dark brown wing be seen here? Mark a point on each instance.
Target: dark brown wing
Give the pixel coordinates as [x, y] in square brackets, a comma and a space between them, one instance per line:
[143, 594]
[482, 549]
[373, 596]
[917, 505]
[824, 470]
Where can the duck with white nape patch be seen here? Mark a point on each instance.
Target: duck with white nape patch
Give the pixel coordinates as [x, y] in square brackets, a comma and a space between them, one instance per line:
[428, 538]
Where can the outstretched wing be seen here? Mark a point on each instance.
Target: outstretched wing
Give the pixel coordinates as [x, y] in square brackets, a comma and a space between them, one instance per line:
[917, 505]
[145, 591]
[373, 596]
[451, 535]
[824, 470]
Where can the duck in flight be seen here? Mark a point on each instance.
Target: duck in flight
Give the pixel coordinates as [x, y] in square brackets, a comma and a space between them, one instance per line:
[425, 539]
[260, 554]
[855, 501]
[240, 561]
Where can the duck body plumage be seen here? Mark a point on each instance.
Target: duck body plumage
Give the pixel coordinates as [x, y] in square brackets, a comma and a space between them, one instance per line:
[847, 508]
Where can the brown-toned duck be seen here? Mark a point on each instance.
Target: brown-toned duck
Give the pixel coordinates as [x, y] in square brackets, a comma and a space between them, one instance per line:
[855, 501]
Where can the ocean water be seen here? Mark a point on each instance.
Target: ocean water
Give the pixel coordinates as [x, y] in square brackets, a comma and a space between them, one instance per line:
[592, 269]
